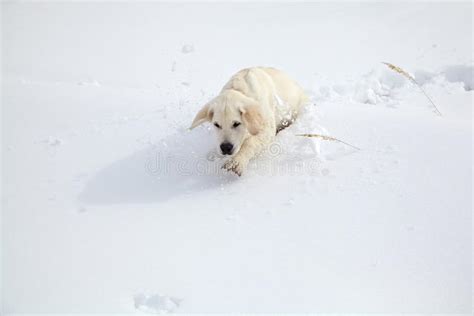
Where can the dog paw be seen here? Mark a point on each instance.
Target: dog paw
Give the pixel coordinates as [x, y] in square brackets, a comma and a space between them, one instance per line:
[234, 166]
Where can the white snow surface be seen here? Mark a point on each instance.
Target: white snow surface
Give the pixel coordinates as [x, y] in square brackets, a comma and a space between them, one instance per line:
[155, 304]
[111, 205]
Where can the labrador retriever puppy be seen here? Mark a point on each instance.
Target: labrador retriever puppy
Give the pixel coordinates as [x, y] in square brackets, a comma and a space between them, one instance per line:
[250, 110]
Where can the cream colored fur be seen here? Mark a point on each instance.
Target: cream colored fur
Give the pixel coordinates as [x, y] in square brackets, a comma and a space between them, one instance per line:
[260, 101]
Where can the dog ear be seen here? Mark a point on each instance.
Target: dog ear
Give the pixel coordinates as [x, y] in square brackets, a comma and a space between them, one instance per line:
[252, 118]
[204, 115]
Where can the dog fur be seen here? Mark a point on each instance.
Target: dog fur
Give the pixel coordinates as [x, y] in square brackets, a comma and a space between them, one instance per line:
[254, 105]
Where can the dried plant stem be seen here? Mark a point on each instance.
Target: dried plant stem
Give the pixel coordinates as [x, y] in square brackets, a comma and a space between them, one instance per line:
[325, 137]
[427, 96]
[409, 77]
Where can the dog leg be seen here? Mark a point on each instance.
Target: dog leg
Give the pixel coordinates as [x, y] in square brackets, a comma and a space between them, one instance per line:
[251, 147]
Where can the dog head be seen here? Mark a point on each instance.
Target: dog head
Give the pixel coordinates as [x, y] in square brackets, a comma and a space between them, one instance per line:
[235, 117]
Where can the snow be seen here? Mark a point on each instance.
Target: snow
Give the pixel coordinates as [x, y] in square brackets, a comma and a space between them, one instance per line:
[155, 304]
[111, 205]
[187, 49]
[460, 74]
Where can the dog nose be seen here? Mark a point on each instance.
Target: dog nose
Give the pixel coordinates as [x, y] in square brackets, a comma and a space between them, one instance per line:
[226, 148]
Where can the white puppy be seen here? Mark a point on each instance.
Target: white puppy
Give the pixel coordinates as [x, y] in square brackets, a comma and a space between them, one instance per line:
[251, 109]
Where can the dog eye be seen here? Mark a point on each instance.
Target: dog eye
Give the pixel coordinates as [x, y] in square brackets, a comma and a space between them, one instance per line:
[217, 125]
[235, 124]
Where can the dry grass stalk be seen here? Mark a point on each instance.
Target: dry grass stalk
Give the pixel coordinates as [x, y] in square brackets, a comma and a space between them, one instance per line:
[409, 77]
[325, 137]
